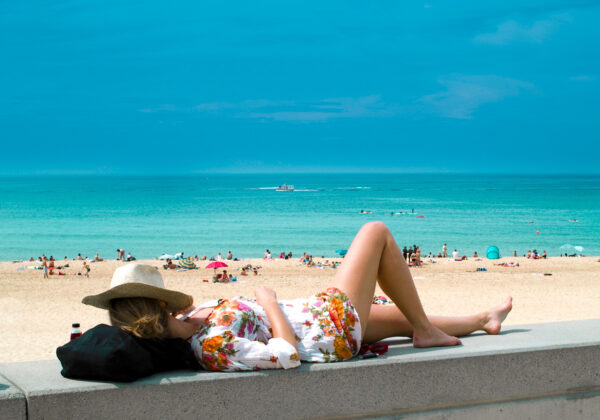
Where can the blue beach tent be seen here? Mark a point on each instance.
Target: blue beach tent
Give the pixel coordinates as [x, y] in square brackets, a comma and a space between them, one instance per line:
[492, 253]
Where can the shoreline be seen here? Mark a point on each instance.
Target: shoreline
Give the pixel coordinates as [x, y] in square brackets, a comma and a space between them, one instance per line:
[293, 259]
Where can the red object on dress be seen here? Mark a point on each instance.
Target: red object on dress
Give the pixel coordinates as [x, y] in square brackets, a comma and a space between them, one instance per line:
[377, 348]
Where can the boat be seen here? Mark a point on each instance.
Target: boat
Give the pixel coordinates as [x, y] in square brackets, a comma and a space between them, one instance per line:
[285, 187]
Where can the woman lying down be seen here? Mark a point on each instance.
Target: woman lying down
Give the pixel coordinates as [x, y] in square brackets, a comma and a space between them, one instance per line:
[264, 333]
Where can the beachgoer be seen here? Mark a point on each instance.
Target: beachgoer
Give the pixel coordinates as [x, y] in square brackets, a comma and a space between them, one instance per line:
[289, 256]
[229, 255]
[514, 253]
[282, 255]
[416, 257]
[475, 255]
[45, 267]
[97, 257]
[86, 269]
[79, 257]
[248, 334]
[528, 254]
[455, 254]
[130, 257]
[219, 257]
[169, 265]
[405, 253]
[445, 251]
[120, 254]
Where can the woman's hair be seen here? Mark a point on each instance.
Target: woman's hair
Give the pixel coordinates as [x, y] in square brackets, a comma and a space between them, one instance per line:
[143, 317]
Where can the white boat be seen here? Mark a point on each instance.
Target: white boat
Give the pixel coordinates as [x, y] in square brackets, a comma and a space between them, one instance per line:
[285, 187]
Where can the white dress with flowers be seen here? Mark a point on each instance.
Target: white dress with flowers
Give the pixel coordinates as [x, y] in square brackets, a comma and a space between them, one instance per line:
[237, 334]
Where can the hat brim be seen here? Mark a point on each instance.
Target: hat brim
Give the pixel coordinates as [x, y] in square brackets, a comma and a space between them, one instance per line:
[176, 301]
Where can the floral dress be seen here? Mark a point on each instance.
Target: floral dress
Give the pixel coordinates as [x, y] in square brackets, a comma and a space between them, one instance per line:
[237, 334]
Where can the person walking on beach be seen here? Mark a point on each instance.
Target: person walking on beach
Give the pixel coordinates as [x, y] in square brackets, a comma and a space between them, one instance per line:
[445, 251]
[243, 334]
[45, 267]
[86, 269]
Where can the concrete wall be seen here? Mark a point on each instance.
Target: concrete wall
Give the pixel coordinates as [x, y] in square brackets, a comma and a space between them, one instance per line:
[12, 401]
[530, 371]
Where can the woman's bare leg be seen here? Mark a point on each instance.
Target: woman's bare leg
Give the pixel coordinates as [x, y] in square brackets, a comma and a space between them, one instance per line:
[374, 257]
[387, 321]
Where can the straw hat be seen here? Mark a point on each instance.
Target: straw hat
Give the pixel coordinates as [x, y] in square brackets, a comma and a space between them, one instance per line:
[139, 280]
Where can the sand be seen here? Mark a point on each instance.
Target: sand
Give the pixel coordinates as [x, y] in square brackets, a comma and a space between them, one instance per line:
[37, 313]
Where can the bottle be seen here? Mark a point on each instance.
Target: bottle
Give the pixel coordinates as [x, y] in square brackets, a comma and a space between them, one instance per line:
[75, 332]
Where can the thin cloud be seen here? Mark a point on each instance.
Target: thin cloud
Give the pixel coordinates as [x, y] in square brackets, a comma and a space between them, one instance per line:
[287, 110]
[583, 78]
[513, 31]
[466, 93]
[327, 109]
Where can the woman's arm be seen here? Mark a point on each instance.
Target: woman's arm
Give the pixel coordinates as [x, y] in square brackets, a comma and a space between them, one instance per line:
[267, 298]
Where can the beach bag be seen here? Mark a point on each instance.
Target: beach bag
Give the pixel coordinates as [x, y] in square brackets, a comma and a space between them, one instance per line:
[107, 353]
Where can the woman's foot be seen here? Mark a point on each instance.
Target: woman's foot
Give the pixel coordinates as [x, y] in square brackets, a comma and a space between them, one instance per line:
[492, 319]
[433, 337]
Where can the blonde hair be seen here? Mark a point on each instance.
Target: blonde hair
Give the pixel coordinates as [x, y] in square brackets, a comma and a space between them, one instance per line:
[142, 317]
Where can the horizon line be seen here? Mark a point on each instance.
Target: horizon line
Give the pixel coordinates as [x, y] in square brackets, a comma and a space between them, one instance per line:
[325, 172]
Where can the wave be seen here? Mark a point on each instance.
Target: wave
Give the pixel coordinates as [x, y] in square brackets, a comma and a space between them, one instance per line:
[352, 188]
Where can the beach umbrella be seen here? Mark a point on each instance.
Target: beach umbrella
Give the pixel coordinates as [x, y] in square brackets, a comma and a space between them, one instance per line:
[342, 252]
[568, 248]
[187, 263]
[579, 249]
[216, 264]
[166, 256]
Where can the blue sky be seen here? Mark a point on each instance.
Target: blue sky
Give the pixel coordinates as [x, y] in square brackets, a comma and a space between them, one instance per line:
[151, 87]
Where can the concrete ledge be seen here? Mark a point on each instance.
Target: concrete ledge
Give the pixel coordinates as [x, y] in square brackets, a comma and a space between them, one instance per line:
[12, 401]
[545, 367]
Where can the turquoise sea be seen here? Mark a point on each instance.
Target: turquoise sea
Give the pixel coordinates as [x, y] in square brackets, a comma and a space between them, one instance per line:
[148, 216]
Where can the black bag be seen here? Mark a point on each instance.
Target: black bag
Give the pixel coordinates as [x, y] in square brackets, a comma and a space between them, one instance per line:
[108, 353]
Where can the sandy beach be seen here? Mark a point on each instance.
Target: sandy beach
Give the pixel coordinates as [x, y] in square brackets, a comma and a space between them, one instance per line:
[37, 313]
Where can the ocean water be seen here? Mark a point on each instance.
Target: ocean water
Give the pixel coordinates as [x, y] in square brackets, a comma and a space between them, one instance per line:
[148, 216]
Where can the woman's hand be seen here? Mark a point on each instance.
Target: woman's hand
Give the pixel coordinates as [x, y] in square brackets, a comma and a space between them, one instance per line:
[265, 296]
[280, 326]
